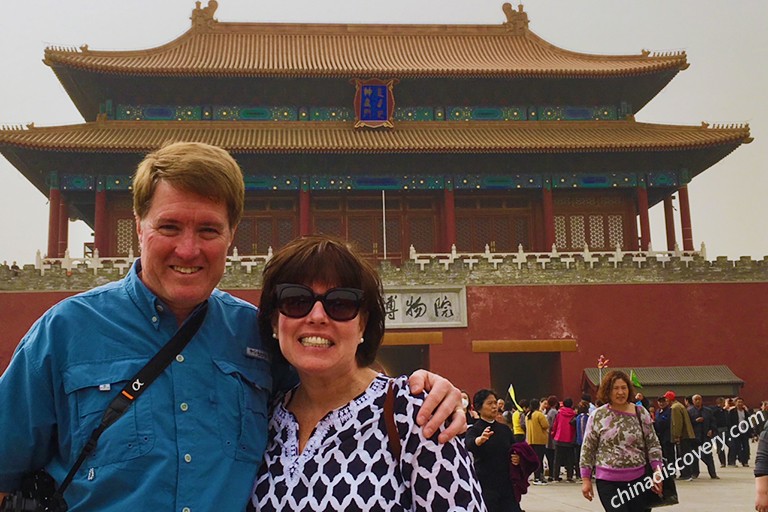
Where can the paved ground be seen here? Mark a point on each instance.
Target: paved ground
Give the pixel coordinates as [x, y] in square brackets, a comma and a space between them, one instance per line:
[735, 491]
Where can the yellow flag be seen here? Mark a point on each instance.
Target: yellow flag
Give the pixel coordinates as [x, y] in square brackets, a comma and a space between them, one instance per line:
[512, 396]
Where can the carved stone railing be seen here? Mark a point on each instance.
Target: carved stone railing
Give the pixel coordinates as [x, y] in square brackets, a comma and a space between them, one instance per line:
[521, 258]
[484, 268]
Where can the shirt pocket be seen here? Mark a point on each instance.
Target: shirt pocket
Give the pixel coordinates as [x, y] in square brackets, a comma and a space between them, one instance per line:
[91, 387]
[242, 392]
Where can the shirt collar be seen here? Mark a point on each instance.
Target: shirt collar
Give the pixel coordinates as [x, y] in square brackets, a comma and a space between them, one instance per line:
[150, 306]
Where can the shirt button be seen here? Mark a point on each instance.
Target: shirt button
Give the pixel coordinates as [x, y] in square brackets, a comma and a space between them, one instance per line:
[159, 308]
[184, 406]
[180, 358]
[187, 458]
[185, 509]
[154, 319]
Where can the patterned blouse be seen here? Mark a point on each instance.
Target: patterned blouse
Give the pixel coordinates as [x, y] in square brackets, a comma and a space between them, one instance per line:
[347, 463]
[613, 445]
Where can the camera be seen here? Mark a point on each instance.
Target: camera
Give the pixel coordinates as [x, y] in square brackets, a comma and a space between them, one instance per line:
[36, 494]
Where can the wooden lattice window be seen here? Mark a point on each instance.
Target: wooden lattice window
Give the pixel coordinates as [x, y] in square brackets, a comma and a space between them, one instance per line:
[126, 234]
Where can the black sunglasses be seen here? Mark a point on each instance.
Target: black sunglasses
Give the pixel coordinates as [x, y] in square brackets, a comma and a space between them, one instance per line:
[340, 304]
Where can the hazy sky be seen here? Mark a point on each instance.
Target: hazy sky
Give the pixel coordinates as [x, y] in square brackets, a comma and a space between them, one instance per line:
[726, 43]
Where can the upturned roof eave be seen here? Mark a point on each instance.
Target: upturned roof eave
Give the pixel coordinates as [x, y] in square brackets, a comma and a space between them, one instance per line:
[433, 137]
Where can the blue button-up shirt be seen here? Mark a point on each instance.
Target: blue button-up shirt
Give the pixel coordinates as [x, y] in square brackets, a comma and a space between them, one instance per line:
[192, 442]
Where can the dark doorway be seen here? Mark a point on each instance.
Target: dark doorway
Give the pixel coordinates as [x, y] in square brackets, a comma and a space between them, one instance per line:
[403, 360]
[534, 374]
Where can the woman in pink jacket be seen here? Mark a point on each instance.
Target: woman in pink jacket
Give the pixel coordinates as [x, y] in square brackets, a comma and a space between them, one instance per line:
[564, 434]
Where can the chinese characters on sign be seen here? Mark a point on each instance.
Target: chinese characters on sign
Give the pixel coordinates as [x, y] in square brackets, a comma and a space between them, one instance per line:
[374, 103]
[425, 307]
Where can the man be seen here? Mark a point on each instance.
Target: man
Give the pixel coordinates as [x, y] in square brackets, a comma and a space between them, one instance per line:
[195, 439]
[680, 430]
[661, 425]
[550, 412]
[721, 418]
[738, 447]
[704, 428]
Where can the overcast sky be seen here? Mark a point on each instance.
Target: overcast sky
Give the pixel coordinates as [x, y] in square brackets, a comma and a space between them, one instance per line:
[726, 44]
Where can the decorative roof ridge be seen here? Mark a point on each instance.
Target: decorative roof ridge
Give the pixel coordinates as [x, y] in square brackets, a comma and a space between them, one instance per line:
[516, 25]
[202, 18]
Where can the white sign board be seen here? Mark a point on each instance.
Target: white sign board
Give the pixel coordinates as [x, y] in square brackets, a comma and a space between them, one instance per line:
[425, 307]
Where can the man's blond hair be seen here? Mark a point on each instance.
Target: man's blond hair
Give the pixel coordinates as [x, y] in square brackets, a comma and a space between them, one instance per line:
[206, 170]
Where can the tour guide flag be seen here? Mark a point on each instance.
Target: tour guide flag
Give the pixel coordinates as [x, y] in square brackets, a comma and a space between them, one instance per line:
[634, 379]
[512, 395]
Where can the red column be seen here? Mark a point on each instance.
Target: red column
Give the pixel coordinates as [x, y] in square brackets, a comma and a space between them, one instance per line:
[669, 221]
[100, 239]
[685, 219]
[304, 212]
[449, 209]
[54, 198]
[549, 217]
[645, 223]
[63, 226]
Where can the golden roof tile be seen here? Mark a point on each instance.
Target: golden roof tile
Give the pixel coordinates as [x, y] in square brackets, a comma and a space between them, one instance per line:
[414, 137]
[507, 50]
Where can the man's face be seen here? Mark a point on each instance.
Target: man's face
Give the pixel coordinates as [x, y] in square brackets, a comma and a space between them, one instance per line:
[184, 240]
[697, 401]
[662, 404]
[739, 403]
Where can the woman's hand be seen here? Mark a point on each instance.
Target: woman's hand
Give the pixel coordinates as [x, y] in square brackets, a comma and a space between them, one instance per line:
[443, 401]
[485, 436]
[658, 482]
[515, 459]
[586, 488]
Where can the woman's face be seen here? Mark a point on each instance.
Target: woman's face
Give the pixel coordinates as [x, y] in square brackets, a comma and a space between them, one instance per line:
[619, 393]
[464, 401]
[318, 345]
[489, 409]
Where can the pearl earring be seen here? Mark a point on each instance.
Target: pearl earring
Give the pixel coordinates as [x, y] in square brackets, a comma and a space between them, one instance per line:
[274, 335]
[362, 340]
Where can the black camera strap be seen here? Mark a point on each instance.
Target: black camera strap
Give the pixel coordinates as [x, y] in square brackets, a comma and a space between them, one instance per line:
[138, 384]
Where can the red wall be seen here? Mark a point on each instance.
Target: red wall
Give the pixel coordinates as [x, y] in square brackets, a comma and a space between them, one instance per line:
[633, 325]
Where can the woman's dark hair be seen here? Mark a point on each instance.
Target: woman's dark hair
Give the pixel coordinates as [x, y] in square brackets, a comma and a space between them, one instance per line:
[535, 404]
[568, 402]
[481, 396]
[583, 407]
[604, 393]
[523, 403]
[325, 260]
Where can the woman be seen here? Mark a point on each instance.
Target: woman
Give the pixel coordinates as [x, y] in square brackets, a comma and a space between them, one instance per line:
[581, 427]
[536, 433]
[489, 440]
[564, 436]
[469, 412]
[614, 448]
[328, 446]
[761, 472]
